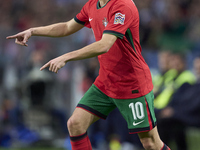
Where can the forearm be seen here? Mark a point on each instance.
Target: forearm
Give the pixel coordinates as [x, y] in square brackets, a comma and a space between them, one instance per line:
[89, 51]
[92, 50]
[54, 30]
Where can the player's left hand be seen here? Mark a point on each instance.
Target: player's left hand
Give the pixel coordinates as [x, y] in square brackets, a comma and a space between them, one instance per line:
[54, 64]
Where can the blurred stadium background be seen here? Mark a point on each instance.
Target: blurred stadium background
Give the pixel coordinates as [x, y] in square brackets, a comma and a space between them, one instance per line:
[35, 105]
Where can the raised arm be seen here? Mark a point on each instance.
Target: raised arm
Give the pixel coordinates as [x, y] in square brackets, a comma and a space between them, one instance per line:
[54, 30]
[58, 29]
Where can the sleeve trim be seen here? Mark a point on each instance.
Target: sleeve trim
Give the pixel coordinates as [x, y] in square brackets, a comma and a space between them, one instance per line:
[78, 21]
[117, 34]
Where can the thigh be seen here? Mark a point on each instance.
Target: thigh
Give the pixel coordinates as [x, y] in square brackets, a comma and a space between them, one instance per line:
[96, 102]
[79, 122]
[84, 117]
[138, 112]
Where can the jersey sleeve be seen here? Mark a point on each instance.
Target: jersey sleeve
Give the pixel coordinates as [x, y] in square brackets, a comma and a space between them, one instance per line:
[82, 17]
[120, 20]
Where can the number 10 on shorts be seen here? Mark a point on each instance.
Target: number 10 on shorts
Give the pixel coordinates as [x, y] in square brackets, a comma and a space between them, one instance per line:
[137, 110]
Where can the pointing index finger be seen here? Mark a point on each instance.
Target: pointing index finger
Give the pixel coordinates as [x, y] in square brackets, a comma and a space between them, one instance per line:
[45, 66]
[11, 37]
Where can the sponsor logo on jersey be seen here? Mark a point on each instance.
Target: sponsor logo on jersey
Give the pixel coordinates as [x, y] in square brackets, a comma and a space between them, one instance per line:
[119, 18]
[105, 22]
[90, 19]
[135, 124]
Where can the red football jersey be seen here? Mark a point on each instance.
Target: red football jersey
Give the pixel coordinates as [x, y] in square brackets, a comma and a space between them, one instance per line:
[123, 72]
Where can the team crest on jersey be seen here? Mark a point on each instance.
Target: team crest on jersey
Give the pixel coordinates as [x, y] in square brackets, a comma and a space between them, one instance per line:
[119, 18]
[105, 22]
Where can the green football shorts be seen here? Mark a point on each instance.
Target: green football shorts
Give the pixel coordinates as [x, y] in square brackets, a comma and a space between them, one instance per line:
[138, 112]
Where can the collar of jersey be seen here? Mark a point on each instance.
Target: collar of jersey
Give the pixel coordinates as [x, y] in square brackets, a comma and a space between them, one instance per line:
[98, 4]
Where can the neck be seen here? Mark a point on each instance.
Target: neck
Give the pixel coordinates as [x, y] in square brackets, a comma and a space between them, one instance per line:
[103, 2]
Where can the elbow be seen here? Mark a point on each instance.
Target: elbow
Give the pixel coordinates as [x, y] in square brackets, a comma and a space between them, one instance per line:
[107, 42]
[104, 48]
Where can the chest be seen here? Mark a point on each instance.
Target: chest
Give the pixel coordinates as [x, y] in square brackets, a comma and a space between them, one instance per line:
[99, 19]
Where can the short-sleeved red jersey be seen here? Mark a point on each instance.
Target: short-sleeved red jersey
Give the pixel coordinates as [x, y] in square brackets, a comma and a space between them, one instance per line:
[123, 72]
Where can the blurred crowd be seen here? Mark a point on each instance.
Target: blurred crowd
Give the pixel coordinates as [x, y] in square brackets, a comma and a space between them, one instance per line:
[35, 105]
[170, 24]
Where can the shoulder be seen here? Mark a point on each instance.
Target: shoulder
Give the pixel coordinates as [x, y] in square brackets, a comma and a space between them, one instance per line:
[92, 2]
[124, 5]
[129, 4]
[186, 76]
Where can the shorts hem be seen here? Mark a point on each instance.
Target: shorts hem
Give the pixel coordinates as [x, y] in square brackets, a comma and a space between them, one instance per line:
[92, 111]
[139, 130]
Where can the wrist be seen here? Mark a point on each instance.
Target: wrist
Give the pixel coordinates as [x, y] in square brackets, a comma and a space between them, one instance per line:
[66, 57]
[31, 31]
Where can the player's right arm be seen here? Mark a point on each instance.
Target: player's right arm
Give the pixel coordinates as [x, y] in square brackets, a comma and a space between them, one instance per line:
[54, 30]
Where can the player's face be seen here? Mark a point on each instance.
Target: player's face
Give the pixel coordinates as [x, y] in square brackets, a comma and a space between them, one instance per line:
[164, 58]
[177, 62]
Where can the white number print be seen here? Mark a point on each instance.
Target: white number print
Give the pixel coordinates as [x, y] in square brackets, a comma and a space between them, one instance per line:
[137, 110]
